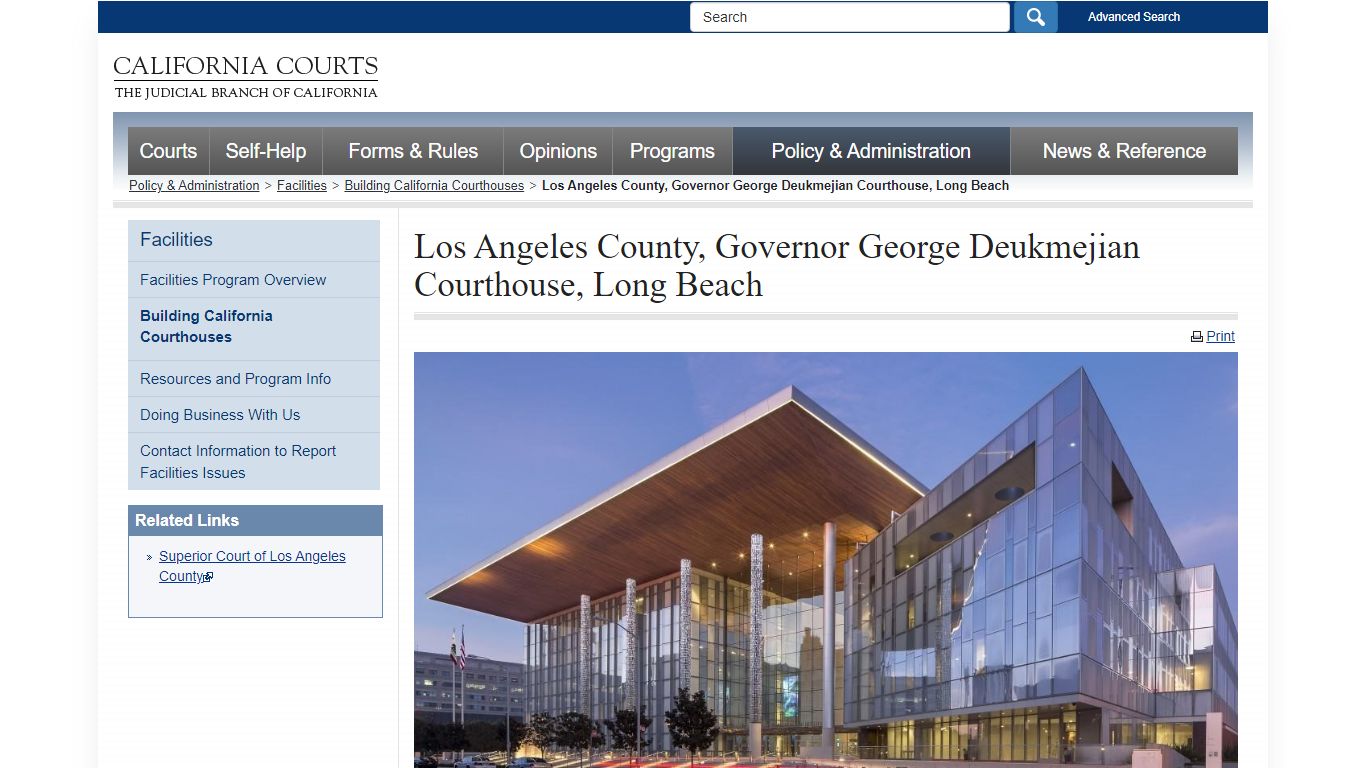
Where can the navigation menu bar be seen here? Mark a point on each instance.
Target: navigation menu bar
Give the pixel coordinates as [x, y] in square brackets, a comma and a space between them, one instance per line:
[779, 151]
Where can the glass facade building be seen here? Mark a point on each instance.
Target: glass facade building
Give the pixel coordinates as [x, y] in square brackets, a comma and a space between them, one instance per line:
[1030, 607]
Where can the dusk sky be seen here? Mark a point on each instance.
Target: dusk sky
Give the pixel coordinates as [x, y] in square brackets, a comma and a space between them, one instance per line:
[505, 443]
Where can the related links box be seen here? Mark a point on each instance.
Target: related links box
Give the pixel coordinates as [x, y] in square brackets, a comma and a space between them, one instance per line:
[242, 561]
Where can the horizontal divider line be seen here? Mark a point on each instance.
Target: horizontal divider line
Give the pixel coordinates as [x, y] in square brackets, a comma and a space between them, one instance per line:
[729, 316]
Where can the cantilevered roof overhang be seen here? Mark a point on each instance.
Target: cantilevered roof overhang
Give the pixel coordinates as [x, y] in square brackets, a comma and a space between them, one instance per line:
[782, 467]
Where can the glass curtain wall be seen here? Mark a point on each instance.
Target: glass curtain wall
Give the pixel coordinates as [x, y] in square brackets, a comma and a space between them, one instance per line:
[1062, 592]
[552, 658]
[1200, 675]
[793, 622]
[794, 625]
[992, 616]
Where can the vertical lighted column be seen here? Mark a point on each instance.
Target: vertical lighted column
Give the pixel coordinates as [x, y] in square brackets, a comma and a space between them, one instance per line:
[684, 624]
[756, 645]
[585, 652]
[827, 747]
[628, 622]
[1214, 739]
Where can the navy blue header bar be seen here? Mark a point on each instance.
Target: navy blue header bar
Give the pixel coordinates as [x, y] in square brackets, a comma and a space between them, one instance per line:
[401, 16]
[597, 16]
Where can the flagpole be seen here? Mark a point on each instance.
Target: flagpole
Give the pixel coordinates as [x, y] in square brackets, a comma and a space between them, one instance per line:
[462, 683]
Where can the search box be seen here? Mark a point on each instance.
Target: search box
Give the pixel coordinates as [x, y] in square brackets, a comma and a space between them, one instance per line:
[851, 17]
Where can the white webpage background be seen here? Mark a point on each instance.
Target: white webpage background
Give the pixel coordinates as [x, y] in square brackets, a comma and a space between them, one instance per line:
[242, 692]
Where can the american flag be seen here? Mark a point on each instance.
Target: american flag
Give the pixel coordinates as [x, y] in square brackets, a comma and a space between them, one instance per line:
[458, 650]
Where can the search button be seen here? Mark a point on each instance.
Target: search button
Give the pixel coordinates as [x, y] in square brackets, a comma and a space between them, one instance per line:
[1035, 17]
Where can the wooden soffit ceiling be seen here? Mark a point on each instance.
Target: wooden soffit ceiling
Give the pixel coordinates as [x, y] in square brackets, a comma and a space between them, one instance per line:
[783, 468]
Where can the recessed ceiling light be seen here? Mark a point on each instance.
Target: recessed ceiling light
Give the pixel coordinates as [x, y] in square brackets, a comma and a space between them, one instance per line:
[1010, 493]
[941, 536]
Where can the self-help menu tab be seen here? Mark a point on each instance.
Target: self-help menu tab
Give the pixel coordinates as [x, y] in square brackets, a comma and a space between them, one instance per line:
[253, 354]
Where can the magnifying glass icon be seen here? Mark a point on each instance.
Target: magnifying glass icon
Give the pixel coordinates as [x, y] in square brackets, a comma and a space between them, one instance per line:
[1035, 16]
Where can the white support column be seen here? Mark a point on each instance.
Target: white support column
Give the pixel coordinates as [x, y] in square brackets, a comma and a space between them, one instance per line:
[827, 747]
[1214, 740]
[628, 623]
[756, 646]
[585, 652]
[684, 624]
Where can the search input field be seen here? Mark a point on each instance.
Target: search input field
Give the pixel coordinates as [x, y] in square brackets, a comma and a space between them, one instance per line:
[851, 17]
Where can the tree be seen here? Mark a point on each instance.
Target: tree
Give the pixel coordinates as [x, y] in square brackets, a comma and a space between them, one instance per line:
[431, 737]
[575, 731]
[692, 724]
[484, 736]
[519, 734]
[451, 738]
[540, 731]
[424, 736]
[623, 730]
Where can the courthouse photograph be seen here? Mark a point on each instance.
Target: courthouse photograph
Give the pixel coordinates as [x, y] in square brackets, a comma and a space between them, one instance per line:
[940, 557]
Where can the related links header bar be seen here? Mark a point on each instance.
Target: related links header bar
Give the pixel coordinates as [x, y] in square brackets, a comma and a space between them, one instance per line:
[481, 151]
